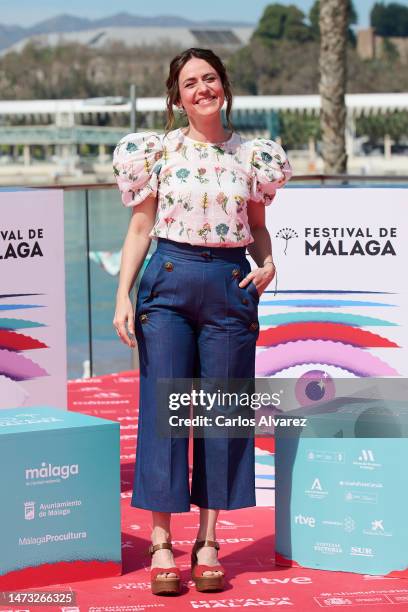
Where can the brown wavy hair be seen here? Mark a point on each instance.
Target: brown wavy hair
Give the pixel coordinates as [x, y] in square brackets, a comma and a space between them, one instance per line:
[173, 91]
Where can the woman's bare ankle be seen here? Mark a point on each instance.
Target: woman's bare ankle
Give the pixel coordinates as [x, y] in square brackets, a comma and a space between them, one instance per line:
[160, 535]
[203, 535]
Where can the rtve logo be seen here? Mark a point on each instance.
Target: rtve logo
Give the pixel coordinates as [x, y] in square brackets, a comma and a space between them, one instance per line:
[309, 521]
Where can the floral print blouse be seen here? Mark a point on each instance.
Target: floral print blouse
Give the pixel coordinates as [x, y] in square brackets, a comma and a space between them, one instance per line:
[202, 188]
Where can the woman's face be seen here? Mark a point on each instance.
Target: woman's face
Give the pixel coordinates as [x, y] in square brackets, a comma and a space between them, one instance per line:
[201, 91]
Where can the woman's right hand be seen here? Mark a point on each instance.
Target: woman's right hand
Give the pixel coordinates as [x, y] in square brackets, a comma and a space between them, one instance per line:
[123, 321]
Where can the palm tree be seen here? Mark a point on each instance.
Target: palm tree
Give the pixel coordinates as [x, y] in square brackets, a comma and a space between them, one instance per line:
[333, 41]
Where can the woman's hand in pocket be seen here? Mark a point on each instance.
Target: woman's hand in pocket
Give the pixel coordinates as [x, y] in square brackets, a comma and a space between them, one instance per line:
[261, 277]
[123, 321]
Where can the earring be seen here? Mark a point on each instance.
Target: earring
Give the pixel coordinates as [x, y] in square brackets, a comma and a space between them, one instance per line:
[180, 110]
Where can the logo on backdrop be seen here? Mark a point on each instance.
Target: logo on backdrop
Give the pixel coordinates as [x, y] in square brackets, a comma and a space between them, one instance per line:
[29, 510]
[50, 473]
[350, 241]
[365, 495]
[366, 460]
[361, 551]
[326, 456]
[63, 508]
[377, 529]
[20, 244]
[361, 483]
[328, 548]
[344, 241]
[309, 521]
[286, 234]
[366, 498]
[316, 491]
[348, 524]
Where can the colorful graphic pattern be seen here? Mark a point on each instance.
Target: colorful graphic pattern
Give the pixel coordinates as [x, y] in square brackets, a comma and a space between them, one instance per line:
[15, 367]
[327, 337]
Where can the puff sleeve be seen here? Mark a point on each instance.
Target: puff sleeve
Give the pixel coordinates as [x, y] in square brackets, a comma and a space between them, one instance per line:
[136, 166]
[270, 169]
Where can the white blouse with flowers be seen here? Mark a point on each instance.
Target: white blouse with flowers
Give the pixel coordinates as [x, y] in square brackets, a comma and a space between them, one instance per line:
[202, 188]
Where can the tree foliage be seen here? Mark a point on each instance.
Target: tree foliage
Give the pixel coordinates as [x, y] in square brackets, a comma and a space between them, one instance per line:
[390, 19]
[297, 128]
[77, 71]
[376, 127]
[280, 22]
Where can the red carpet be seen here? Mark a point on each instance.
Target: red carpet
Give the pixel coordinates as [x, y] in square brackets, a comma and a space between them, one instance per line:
[246, 538]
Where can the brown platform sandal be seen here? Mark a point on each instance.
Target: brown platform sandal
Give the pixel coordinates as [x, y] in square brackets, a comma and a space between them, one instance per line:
[206, 583]
[164, 586]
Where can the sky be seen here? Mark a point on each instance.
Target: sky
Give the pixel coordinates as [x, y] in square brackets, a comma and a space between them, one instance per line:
[29, 12]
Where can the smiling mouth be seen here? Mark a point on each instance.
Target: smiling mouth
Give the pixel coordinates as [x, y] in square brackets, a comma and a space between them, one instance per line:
[206, 100]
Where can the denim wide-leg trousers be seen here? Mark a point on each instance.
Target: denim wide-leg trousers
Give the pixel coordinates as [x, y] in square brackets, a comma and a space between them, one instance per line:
[190, 310]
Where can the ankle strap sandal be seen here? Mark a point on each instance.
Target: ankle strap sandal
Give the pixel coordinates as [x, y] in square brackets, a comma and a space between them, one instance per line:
[206, 583]
[164, 585]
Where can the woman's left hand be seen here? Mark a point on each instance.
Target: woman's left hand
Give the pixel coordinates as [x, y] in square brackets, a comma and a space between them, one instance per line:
[261, 277]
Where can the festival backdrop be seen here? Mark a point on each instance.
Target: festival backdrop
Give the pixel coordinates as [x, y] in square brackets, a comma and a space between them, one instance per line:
[340, 312]
[342, 292]
[32, 299]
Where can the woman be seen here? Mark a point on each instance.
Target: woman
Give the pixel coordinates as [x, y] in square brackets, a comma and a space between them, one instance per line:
[200, 192]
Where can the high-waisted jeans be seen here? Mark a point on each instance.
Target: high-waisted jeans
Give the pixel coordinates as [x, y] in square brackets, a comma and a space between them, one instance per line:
[193, 320]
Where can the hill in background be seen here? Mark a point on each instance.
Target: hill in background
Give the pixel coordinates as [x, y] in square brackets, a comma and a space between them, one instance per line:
[10, 34]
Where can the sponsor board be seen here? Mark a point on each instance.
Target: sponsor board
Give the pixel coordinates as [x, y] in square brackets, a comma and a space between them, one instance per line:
[61, 474]
[363, 515]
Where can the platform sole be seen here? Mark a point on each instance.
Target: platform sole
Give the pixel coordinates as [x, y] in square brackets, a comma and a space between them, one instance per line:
[166, 587]
[209, 584]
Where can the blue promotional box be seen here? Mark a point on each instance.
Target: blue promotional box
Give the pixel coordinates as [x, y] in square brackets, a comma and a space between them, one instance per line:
[60, 491]
[341, 502]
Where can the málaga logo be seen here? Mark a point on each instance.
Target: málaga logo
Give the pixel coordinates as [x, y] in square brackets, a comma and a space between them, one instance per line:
[47, 470]
[286, 234]
[350, 241]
